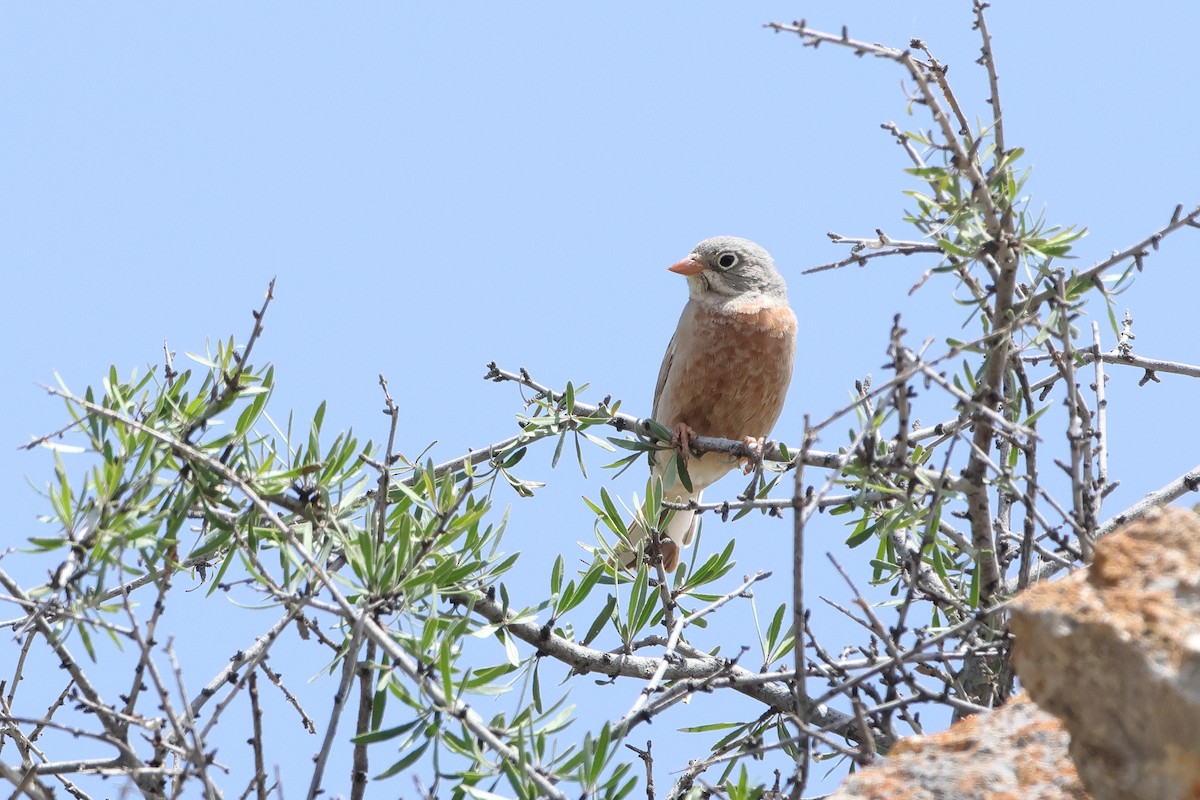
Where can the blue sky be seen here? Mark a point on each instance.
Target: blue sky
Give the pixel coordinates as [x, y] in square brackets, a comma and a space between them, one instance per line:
[440, 186]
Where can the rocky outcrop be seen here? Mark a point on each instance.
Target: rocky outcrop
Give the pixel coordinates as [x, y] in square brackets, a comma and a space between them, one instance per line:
[1017, 752]
[1114, 652]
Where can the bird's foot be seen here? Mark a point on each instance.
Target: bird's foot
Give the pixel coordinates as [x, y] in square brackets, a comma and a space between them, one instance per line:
[756, 446]
[681, 439]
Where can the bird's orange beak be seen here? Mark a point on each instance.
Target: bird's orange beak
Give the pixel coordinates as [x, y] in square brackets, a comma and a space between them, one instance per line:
[689, 266]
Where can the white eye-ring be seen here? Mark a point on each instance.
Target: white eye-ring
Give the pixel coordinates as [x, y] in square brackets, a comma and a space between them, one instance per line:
[727, 260]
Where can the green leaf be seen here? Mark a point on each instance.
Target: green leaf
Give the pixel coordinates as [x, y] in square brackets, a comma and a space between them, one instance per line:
[556, 576]
[201, 360]
[514, 458]
[374, 737]
[537, 686]
[579, 455]
[712, 726]
[601, 443]
[862, 532]
[445, 668]
[405, 762]
[510, 647]
[681, 467]
[580, 594]
[600, 754]
[601, 620]
[562, 438]
[62, 448]
[952, 248]
[637, 599]
[775, 626]
[714, 567]
[660, 431]
[632, 444]
[616, 519]
[481, 794]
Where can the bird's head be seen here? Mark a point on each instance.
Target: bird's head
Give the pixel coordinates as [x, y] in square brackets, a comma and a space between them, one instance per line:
[724, 268]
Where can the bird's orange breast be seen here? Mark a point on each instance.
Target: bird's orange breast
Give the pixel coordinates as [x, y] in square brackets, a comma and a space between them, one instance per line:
[730, 371]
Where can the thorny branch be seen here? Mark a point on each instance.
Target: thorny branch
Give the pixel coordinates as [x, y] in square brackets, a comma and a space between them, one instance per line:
[372, 630]
[954, 541]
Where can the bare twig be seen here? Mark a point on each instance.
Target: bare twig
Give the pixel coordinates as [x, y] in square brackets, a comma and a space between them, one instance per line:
[1187, 482]
[349, 668]
[799, 614]
[1101, 426]
[1138, 252]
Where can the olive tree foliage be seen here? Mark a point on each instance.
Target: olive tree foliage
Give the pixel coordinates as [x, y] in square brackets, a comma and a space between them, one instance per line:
[390, 566]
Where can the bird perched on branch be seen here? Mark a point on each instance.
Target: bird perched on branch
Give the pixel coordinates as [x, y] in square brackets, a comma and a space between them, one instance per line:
[725, 373]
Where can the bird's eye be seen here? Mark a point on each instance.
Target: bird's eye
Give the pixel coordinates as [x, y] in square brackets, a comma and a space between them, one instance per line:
[727, 260]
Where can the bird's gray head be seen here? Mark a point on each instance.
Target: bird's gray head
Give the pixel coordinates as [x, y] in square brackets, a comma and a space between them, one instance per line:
[727, 267]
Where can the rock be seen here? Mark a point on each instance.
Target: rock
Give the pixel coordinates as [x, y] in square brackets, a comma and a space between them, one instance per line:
[1017, 752]
[1114, 652]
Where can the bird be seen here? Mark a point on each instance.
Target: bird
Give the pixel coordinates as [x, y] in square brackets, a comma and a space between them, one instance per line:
[725, 374]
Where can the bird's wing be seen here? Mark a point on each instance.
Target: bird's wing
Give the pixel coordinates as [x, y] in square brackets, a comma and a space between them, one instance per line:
[663, 372]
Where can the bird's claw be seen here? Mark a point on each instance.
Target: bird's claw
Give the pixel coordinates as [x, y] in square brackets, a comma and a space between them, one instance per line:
[681, 439]
[756, 445]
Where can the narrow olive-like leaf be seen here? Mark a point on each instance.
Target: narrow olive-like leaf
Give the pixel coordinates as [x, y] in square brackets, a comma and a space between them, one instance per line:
[681, 467]
[660, 431]
[601, 620]
[637, 598]
[405, 762]
[445, 669]
[504, 566]
[596, 440]
[86, 636]
[616, 519]
[510, 648]
[937, 561]
[556, 575]
[579, 455]
[380, 699]
[601, 514]
[775, 626]
[537, 686]
[714, 567]
[622, 464]
[649, 609]
[737, 730]
[63, 448]
[862, 533]
[516, 781]
[373, 737]
[201, 360]
[558, 448]
[514, 458]
[1036, 415]
[712, 726]
[590, 579]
